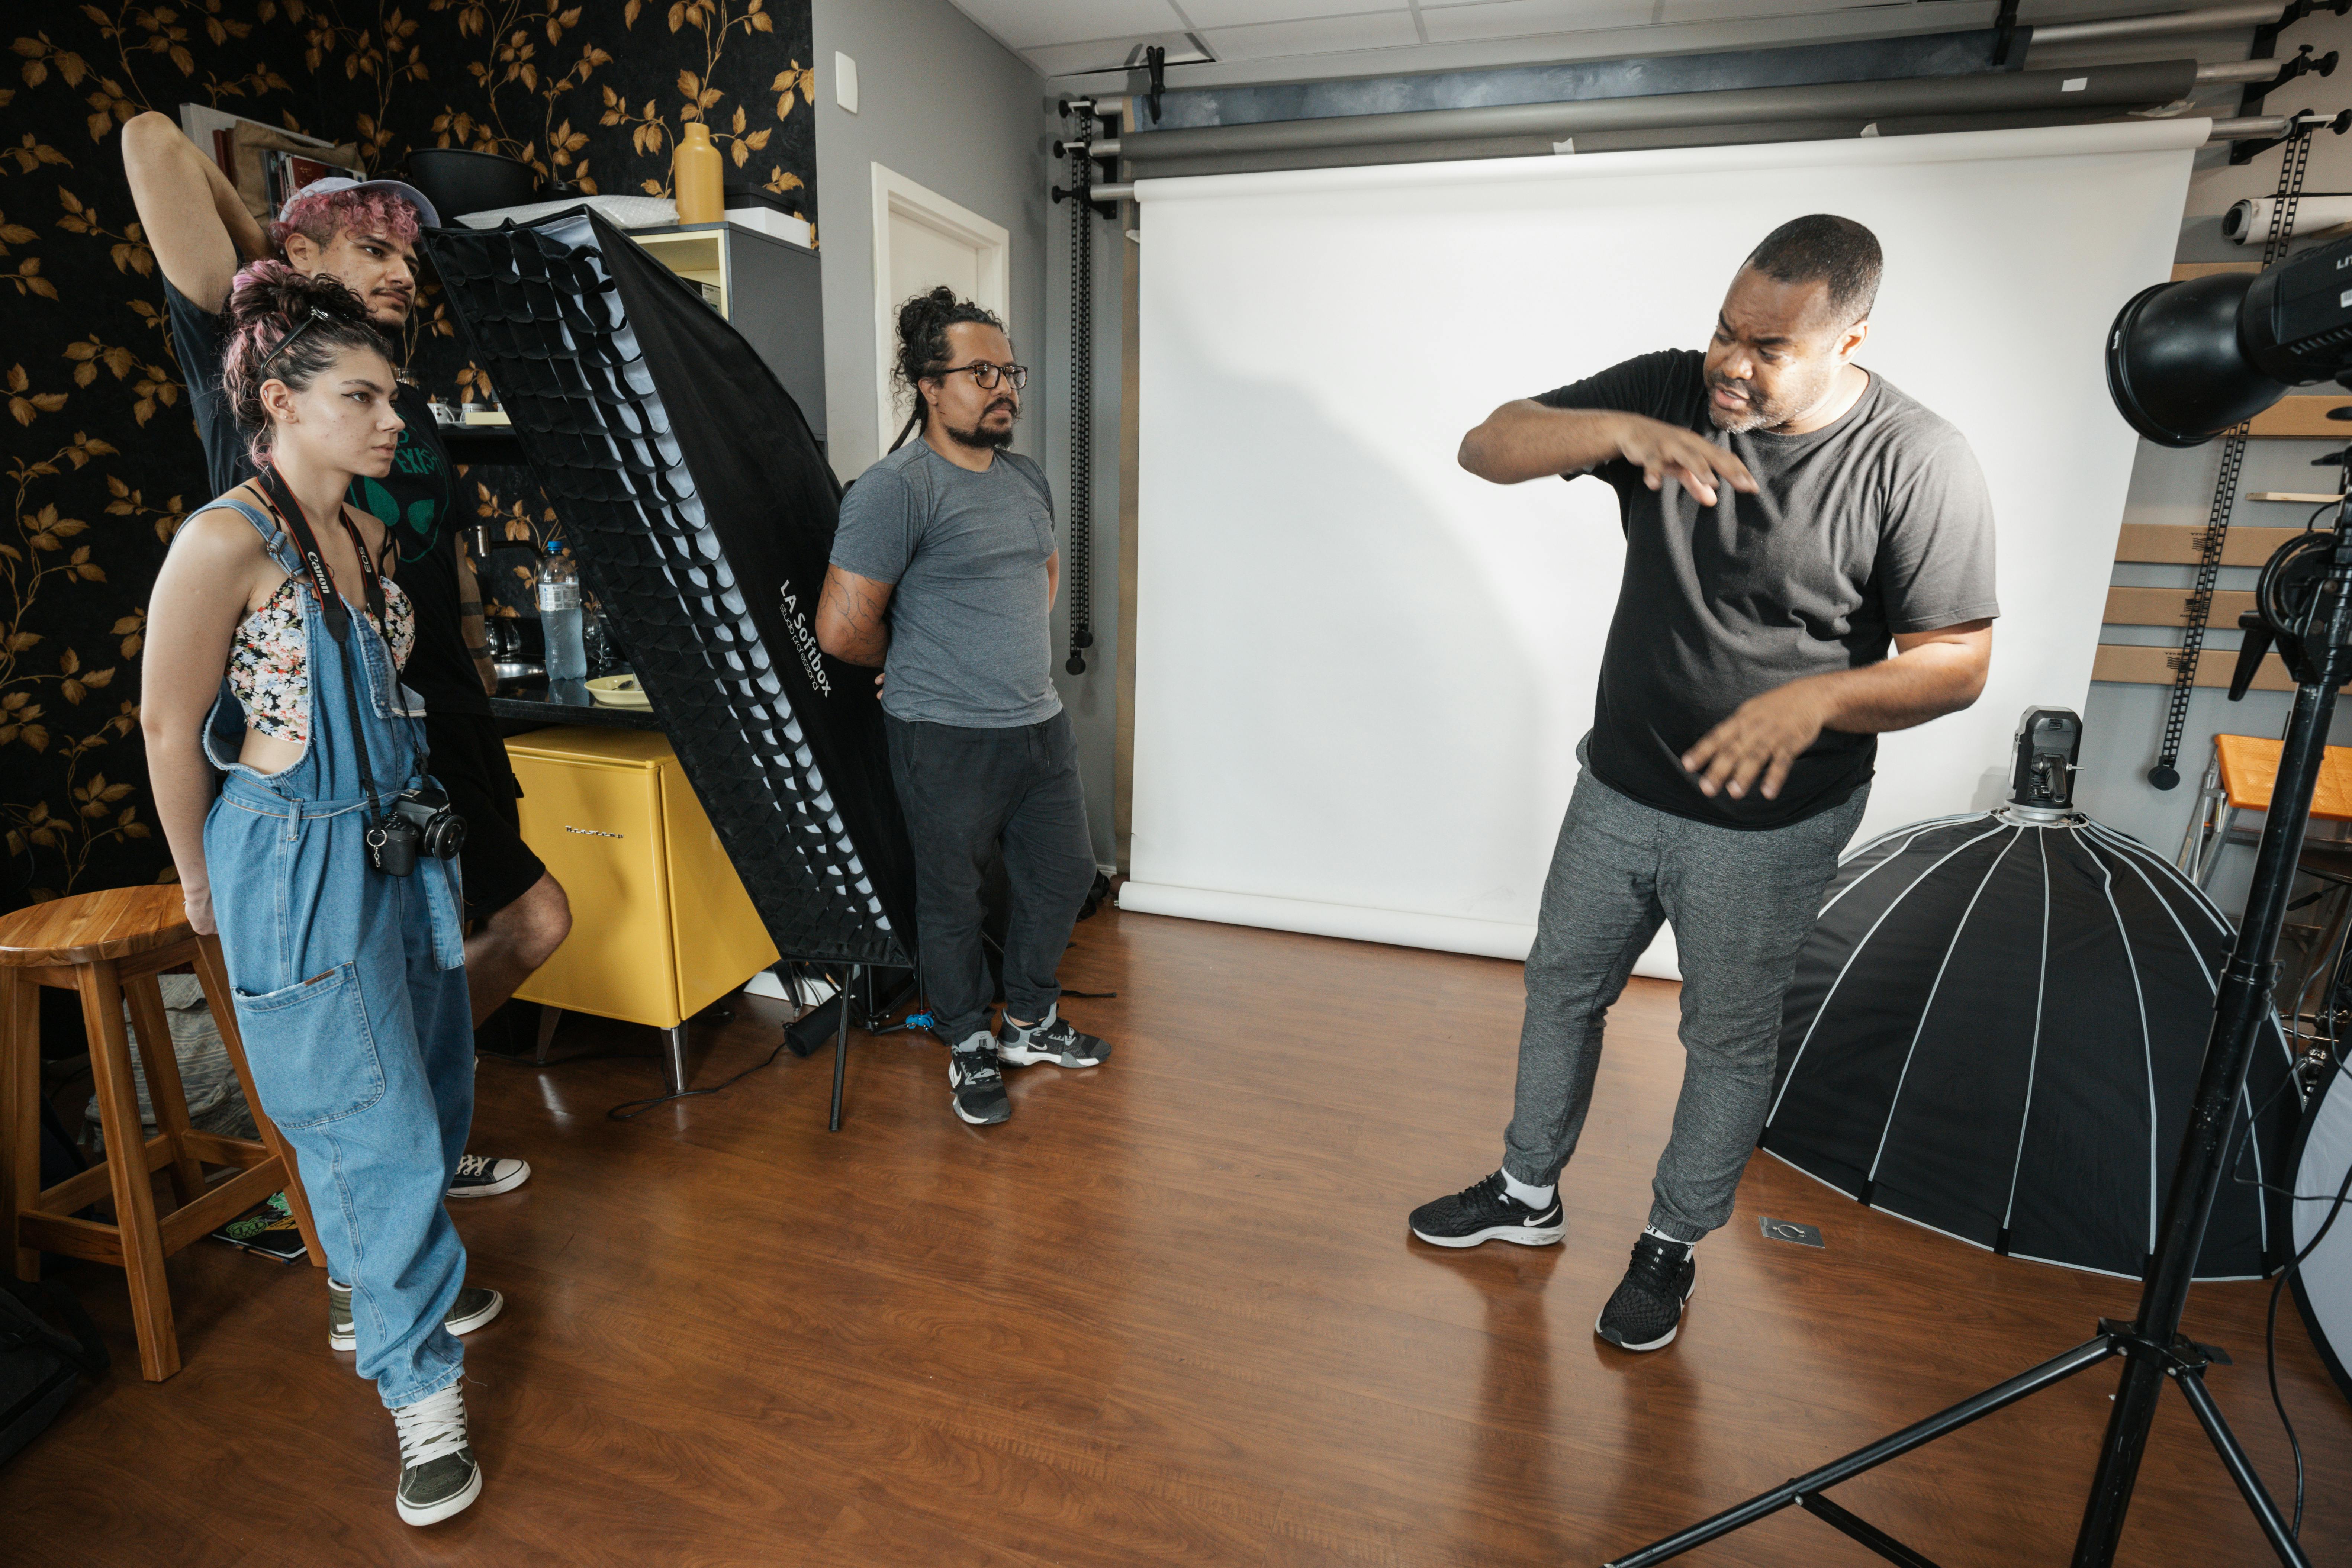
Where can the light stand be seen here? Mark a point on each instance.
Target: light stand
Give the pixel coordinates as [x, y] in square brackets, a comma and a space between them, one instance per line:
[2317, 650]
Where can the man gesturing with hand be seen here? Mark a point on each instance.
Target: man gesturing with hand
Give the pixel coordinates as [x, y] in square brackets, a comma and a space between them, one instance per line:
[1809, 561]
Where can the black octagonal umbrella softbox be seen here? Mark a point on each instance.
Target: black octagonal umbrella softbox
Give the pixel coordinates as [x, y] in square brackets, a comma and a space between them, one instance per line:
[1995, 1031]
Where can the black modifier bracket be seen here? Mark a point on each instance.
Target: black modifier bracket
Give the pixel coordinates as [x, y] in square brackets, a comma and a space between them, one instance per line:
[2004, 34]
[2299, 64]
[2250, 101]
[2307, 123]
[1101, 167]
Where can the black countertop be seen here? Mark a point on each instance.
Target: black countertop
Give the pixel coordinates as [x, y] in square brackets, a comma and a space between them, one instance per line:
[529, 704]
[496, 445]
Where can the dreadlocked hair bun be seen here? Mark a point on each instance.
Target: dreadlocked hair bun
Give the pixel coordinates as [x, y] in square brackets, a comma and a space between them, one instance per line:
[268, 304]
[923, 323]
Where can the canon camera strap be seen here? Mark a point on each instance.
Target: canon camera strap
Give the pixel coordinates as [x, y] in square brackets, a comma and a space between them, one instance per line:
[288, 513]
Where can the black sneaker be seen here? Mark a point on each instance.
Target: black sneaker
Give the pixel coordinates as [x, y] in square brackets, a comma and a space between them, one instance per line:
[1052, 1039]
[439, 1475]
[1485, 1212]
[978, 1086]
[485, 1176]
[1646, 1313]
[475, 1305]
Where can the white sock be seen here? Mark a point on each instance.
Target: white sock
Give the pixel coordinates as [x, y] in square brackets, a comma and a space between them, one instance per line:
[1672, 1240]
[1537, 1198]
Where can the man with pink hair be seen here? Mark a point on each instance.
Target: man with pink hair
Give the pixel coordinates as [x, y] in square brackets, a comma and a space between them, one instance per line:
[363, 233]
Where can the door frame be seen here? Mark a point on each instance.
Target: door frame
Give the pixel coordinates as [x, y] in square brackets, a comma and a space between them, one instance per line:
[896, 195]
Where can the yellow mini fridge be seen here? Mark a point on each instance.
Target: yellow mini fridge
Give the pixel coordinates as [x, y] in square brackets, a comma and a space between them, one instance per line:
[661, 927]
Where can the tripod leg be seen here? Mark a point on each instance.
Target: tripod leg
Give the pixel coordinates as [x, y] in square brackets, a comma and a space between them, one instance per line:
[2241, 1008]
[2000, 1396]
[841, 1048]
[2241, 1470]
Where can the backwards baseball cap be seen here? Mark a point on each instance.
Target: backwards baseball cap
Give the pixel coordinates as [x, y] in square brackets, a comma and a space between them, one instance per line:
[333, 185]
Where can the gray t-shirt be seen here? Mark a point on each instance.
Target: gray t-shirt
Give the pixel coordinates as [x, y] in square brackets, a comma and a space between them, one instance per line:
[1877, 523]
[970, 641]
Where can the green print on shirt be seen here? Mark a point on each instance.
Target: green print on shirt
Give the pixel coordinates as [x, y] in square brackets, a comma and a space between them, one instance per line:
[418, 520]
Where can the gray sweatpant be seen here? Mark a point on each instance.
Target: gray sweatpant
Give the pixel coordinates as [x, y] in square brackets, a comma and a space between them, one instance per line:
[1741, 903]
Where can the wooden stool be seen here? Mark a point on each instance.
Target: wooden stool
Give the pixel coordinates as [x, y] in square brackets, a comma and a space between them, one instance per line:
[108, 946]
[2240, 778]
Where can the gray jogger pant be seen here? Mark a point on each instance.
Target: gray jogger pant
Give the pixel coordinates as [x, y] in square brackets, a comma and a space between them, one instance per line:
[1741, 903]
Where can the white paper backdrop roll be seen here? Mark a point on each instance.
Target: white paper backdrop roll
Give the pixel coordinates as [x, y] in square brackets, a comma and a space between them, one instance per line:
[2248, 222]
[1361, 673]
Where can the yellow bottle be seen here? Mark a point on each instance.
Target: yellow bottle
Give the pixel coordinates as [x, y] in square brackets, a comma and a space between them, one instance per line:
[694, 176]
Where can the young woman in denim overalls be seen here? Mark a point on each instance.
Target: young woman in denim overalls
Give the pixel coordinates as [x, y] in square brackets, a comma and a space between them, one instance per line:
[350, 981]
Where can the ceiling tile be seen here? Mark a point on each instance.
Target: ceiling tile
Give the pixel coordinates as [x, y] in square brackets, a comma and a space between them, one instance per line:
[1530, 18]
[1025, 23]
[1745, 10]
[1205, 13]
[1325, 35]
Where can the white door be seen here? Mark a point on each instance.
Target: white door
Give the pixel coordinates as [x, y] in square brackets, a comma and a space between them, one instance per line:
[922, 240]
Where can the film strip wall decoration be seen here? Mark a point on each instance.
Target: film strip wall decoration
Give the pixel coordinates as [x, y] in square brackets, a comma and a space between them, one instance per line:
[2293, 165]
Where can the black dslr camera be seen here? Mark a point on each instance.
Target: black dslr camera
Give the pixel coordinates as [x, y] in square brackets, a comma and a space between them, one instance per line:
[415, 821]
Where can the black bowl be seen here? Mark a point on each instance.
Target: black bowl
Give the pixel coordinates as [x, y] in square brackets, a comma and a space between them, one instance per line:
[457, 181]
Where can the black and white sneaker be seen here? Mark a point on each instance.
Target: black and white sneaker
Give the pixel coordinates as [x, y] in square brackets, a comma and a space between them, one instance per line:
[1646, 1312]
[1051, 1039]
[976, 1084]
[439, 1475]
[485, 1176]
[1483, 1211]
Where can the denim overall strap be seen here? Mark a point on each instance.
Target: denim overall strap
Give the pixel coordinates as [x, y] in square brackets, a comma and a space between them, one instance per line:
[326, 779]
[224, 733]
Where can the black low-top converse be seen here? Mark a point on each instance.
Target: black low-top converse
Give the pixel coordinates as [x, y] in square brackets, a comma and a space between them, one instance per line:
[975, 1083]
[439, 1475]
[1646, 1312]
[1052, 1039]
[486, 1175]
[1483, 1211]
[475, 1305]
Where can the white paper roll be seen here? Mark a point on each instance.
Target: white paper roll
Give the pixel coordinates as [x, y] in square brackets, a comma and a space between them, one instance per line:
[2249, 222]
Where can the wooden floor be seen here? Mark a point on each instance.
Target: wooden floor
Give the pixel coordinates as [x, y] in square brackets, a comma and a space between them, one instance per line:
[1167, 1314]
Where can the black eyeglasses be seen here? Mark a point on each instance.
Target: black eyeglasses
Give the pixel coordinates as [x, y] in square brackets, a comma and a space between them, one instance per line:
[990, 375]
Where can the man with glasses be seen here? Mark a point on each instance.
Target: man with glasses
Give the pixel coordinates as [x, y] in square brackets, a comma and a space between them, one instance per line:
[943, 573]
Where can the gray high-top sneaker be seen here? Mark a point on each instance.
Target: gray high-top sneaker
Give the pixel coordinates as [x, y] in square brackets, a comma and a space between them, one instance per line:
[439, 1475]
[475, 1305]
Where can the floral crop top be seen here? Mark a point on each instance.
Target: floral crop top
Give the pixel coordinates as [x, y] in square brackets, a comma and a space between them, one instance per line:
[269, 664]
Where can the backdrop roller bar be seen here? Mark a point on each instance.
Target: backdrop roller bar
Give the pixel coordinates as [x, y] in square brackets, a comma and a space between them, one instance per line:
[2213, 19]
[2090, 87]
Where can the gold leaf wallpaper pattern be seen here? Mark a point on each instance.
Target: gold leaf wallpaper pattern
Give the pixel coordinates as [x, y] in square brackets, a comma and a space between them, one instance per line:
[97, 449]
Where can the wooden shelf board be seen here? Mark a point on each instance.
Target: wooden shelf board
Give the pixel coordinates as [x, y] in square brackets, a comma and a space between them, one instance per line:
[2168, 544]
[2301, 418]
[2170, 606]
[2152, 666]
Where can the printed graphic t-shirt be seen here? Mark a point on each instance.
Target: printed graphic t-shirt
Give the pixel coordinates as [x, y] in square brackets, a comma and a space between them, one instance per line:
[416, 502]
[1877, 523]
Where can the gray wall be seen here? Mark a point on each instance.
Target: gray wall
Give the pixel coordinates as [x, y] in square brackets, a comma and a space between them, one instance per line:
[2123, 725]
[944, 104]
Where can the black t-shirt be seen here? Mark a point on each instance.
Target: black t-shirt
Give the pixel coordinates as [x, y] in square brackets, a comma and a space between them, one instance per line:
[416, 502]
[1878, 523]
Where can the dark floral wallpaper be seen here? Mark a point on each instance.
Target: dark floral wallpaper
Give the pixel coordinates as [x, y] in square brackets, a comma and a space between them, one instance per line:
[97, 446]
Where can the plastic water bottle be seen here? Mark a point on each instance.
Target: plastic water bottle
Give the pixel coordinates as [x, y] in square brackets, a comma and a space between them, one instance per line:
[559, 616]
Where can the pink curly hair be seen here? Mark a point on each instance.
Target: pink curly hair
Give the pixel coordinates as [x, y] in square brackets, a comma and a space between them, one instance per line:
[322, 217]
